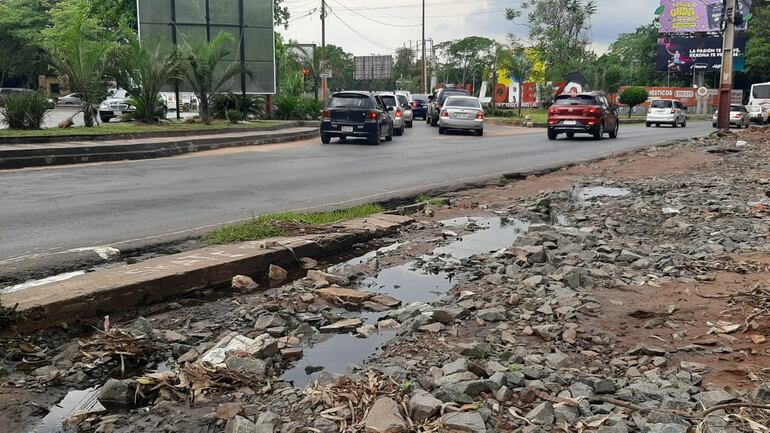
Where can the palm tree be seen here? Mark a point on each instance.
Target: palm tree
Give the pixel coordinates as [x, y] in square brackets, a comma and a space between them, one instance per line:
[84, 62]
[142, 69]
[201, 67]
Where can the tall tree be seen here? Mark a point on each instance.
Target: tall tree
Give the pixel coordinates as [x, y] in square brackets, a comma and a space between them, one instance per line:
[637, 53]
[201, 65]
[559, 29]
[758, 45]
[81, 51]
[21, 22]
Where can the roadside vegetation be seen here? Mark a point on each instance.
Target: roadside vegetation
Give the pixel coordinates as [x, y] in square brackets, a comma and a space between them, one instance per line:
[139, 129]
[285, 224]
[433, 201]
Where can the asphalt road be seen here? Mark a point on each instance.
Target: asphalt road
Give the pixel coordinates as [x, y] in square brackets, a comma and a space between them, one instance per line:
[61, 208]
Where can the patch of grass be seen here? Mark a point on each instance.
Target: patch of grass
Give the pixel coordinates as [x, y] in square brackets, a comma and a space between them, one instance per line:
[406, 386]
[9, 316]
[135, 128]
[514, 368]
[434, 201]
[272, 225]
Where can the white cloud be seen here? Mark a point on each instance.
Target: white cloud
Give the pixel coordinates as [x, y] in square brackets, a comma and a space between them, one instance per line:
[380, 26]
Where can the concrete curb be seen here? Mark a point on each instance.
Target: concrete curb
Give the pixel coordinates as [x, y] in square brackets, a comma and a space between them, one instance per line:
[118, 289]
[100, 152]
[158, 134]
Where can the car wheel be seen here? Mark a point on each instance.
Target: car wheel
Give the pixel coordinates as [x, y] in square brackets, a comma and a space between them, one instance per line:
[433, 122]
[675, 124]
[399, 132]
[657, 125]
[599, 134]
[441, 130]
[552, 134]
[389, 137]
[648, 124]
[684, 123]
[326, 138]
[480, 132]
[614, 132]
[570, 135]
[409, 124]
[105, 119]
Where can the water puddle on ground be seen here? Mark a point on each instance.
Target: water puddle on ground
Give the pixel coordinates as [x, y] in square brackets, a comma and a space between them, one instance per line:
[336, 353]
[34, 283]
[75, 402]
[590, 193]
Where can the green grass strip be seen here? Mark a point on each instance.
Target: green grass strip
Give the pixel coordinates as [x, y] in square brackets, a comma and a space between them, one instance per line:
[267, 226]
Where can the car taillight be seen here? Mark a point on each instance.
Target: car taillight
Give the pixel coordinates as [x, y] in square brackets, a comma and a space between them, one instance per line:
[327, 116]
[594, 110]
[738, 116]
[399, 114]
[552, 110]
[673, 111]
[479, 116]
[373, 115]
[444, 114]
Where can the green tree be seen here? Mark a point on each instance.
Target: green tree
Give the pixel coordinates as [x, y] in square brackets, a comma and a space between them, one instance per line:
[21, 22]
[341, 63]
[559, 29]
[633, 96]
[519, 65]
[81, 51]
[201, 66]
[637, 53]
[758, 45]
[142, 69]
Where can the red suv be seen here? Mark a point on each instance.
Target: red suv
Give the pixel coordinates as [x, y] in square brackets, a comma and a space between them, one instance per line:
[586, 113]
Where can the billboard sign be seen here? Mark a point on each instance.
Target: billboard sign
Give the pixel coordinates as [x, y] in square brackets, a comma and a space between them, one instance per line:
[686, 95]
[250, 22]
[680, 55]
[691, 16]
[373, 68]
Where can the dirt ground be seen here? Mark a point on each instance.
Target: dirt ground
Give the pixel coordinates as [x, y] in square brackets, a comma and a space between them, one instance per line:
[673, 316]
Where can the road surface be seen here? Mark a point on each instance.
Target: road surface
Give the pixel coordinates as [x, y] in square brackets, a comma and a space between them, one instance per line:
[60, 208]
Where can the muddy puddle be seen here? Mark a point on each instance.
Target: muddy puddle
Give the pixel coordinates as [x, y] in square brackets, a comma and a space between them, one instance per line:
[338, 353]
[590, 193]
[74, 402]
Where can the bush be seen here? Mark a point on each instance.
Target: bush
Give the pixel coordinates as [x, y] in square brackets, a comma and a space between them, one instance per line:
[224, 102]
[311, 108]
[234, 116]
[139, 115]
[500, 112]
[24, 110]
[287, 108]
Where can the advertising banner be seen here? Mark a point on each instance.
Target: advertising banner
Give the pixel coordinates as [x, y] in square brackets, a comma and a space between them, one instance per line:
[686, 95]
[373, 68]
[690, 16]
[683, 55]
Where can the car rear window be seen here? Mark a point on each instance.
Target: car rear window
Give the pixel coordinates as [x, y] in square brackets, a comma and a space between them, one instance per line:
[421, 98]
[389, 100]
[462, 102]
[402, 100]
[754, 108]
[661, 104]
[735, 108]
[447, 93]
[577, 100]
[350, 101]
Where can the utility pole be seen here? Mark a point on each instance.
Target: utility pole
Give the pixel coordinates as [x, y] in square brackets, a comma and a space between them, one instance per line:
[424, 73]
[726, 79]
[324, 60]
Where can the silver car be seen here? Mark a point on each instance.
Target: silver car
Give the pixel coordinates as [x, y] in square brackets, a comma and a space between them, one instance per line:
[758, 114]
[396, 112]
[71, 99]
[403, 99]
[666, 112]
[462, 113]
[739, 117]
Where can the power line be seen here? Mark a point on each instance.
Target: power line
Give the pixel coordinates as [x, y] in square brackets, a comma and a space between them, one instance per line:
[376, 21]
[362, 36]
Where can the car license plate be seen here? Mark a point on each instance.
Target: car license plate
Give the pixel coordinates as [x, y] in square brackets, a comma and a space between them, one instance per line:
[347, 129]
[461, 115]
[570, 122]
[117, 113]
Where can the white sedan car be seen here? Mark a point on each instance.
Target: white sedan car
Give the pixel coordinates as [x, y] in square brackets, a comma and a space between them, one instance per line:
[463, 113]
[758, 114]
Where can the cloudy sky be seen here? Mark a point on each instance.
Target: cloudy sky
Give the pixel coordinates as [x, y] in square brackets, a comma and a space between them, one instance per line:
[380, 26]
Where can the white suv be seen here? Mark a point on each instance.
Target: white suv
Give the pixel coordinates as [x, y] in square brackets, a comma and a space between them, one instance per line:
[666, 112]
